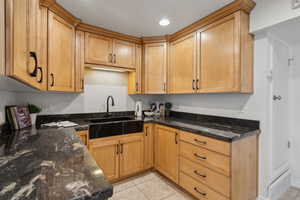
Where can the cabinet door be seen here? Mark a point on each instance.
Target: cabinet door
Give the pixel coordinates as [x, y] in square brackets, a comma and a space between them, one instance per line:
[105, 152]
[79, 62]
[61, 54]
[219, 68]
[26, 42]
[166, 152]
[124, 54]
[183, 65]
[131, 155]
[135, 78]
[84, 136]
[98, 49]
[155, 68]
[149, 146]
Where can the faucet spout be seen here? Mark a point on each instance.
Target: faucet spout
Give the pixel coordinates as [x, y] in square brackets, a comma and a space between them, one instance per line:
[107, 104]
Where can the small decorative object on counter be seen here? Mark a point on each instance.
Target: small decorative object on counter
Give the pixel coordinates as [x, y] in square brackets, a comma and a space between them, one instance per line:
[18, 117]
[162, 109]
[168, 107]
[34, 110]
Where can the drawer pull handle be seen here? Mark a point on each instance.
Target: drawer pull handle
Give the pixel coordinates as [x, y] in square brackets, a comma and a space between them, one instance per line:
[200, 142]
[202, 193]
[199, 156]
[199, 174]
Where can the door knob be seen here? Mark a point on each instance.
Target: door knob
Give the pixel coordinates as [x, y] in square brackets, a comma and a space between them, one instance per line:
[277, 98]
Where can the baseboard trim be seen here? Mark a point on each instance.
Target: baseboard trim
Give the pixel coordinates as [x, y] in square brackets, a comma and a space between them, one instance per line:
[296, 182]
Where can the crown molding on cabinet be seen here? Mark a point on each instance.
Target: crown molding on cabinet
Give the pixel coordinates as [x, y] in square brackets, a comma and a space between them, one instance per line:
[237, 5]
[108, 33]
[155, 39]
[59, 10]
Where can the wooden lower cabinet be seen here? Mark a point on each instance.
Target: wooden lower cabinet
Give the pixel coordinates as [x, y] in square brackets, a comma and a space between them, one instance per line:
[131, 155]
[105, 152]
[148, 146]
[207, 168]
[166, 151]
[119, 156]
[207, 172]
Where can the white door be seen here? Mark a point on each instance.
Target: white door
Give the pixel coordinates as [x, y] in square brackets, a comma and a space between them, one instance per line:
[280, 109]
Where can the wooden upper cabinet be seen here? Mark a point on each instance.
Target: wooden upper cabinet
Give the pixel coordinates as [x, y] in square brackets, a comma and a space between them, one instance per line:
[124, 54]
[79, 62]
[61, 52]
[131, 155]
[26, 42]
[105, 153]
[183, 65]
[167, 152]
[98, 49]
[101, 50]
[135, 77]
[155, 68]
[226, 56]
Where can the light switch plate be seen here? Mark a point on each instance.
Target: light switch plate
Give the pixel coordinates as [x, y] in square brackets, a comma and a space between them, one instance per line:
[295, 4]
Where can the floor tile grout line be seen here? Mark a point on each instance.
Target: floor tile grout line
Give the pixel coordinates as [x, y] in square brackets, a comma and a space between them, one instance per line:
[142, 193]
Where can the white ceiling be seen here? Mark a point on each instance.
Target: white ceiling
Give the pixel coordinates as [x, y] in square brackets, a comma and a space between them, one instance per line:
[141, 17]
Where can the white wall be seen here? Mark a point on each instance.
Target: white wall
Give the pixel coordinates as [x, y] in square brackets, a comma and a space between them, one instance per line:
[244, 106]
[295, 117]
[98, 86]
[6, 98]
[270, 12]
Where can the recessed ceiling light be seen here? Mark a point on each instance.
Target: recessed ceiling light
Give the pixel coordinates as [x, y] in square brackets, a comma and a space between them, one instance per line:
[164, 22]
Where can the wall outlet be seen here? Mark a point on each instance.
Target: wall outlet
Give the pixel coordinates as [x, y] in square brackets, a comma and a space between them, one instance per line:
[295, 4]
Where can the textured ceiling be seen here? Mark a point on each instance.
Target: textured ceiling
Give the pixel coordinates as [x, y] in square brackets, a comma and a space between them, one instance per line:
[141, 17]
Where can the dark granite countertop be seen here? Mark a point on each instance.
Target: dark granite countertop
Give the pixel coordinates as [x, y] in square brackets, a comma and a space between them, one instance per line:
[227, 133]
[49, 164]
[222, 128]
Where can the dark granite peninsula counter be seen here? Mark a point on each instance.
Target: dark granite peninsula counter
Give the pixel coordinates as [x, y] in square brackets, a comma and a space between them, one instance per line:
[49, 164]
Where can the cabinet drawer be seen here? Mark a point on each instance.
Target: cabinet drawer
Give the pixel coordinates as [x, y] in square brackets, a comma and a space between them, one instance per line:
[206, 142]
[215, 161]
[204, 175]
[198, 189]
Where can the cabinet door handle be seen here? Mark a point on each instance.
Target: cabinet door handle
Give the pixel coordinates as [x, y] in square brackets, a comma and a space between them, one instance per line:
[165, 87]
[136, 86]
[117, 149]
[41, 79]
[197, 84]
[82, 84]
[110, 58]
[199, 174]
[146, 131]
[115, 58]
[176, 138]
[199, 156]
[193, 84]
[52, 76]
[122, 148]
[34, 72]
[200, 142]
[202, 193]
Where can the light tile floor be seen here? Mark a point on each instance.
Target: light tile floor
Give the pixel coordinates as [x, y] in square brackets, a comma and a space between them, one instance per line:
[291, 194]
[149, 186]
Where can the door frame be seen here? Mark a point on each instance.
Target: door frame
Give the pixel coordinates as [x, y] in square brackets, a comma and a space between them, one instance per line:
[273, 174]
